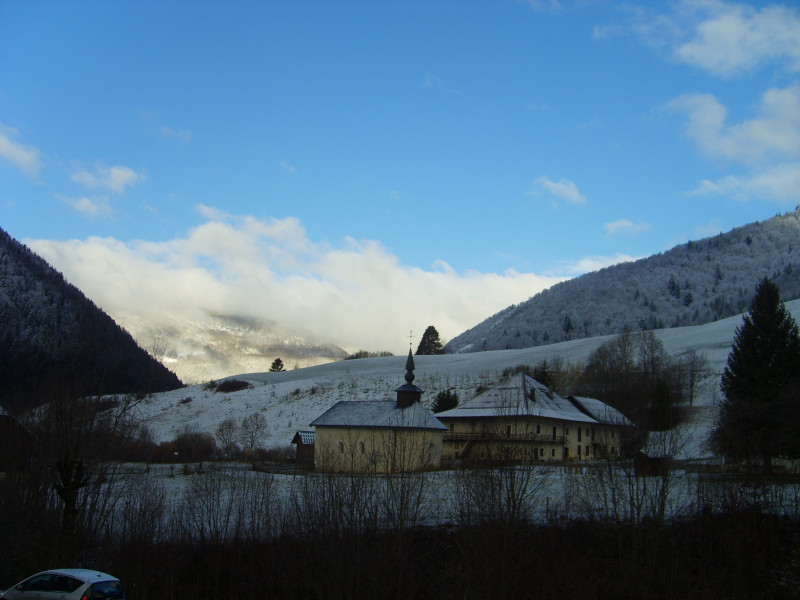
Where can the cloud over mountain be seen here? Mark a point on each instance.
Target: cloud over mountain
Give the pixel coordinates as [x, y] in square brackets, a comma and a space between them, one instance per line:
[355, 294]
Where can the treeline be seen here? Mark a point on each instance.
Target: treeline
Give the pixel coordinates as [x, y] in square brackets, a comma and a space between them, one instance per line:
[635, 374]
[52, 338]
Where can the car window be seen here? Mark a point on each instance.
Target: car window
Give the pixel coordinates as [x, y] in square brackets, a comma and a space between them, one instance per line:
[65, 583]
[39, 583]
[107, 589]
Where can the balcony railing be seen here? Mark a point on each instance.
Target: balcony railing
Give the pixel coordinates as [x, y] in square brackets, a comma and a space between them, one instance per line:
[502, 436]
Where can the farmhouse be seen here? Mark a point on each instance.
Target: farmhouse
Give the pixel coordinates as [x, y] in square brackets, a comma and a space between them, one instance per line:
[521, 419]
[382, 436]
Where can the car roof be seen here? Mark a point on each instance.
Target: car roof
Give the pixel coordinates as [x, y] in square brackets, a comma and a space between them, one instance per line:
[83, 574]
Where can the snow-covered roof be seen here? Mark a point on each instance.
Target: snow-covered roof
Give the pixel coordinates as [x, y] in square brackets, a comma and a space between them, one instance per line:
[377, 413]
[523, 396]
[602, 412]
[304, 436]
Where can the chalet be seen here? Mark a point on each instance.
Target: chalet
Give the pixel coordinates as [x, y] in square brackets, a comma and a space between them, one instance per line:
[521, 419]
[380, 436]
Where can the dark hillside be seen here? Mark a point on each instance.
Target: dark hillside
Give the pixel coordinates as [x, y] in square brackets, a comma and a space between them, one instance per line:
[691, 284]
[53, 340]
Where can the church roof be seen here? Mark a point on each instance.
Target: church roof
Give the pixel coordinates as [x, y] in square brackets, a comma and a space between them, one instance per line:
[378, 413]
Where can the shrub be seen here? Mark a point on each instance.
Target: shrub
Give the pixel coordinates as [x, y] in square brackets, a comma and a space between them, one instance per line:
[232, 385]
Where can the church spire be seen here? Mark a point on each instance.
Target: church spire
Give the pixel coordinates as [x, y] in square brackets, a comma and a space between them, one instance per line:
[409, 393]
[410, 368]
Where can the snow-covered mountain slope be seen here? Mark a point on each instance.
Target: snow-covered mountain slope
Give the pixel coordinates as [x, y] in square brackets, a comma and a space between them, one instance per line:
[694, 283]
[290, 400]
[54, 340]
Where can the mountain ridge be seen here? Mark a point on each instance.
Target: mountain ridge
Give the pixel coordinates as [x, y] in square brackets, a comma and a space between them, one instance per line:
[691, 284]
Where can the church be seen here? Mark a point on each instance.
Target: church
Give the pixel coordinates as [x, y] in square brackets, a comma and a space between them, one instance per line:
[379, 436]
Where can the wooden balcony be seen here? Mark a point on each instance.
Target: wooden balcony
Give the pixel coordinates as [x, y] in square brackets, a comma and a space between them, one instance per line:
[503, 436]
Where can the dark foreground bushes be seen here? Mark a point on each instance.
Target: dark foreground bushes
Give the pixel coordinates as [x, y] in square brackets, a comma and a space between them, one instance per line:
[233, 533]
[731, 556]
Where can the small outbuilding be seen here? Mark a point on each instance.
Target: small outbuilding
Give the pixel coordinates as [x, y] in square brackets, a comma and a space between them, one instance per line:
[304, 447]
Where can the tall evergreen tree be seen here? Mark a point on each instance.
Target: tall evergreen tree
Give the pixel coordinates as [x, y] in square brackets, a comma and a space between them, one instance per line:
[760, 415]
[430, 343]
[445, 400]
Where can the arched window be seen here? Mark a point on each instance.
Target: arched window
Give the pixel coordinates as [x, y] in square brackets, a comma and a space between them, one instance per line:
[361, 448]
[341, 447]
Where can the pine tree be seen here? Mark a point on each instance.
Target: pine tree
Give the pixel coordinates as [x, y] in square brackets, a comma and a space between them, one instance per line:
[430, 343]
[445, 400]
[760, 415]
[276, 366]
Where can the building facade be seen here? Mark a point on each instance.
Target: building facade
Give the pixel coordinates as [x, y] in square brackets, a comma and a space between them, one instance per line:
[522, 420]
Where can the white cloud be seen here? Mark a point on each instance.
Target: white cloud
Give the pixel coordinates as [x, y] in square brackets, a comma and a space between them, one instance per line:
[563, 189]
[91, 207]
[779, 184]
[774, 131]
[357, 295]
[768, 143]
[728, 38]
[26, 158]
[625, 227]
[115, 178]
[723, 38]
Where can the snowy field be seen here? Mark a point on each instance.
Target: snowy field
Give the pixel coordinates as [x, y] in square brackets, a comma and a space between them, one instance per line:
[290, 400]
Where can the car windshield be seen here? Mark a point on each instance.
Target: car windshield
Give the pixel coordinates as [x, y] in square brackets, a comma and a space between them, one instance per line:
[107, 589]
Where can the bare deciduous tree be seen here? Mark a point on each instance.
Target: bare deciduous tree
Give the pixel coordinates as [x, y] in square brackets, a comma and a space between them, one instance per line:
[253, 429]
[226, 433]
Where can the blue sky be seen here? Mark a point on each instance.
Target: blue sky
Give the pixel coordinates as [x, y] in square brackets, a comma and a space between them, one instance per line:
[359, 169]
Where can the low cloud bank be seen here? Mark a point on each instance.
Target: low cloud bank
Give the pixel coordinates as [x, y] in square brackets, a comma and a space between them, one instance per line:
[356, 295]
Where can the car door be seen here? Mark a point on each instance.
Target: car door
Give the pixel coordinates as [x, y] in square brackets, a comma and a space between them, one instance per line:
[34, 588]
[62, 587]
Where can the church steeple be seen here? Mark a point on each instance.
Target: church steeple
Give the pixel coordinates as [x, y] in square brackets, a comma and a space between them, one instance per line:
[409, 393]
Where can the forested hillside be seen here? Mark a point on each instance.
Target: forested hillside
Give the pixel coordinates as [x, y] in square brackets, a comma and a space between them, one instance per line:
[692, 284]
[53, 340]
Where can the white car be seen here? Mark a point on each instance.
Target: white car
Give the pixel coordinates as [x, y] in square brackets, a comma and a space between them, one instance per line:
[66, 584]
